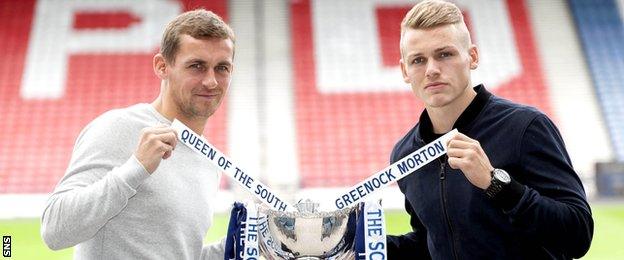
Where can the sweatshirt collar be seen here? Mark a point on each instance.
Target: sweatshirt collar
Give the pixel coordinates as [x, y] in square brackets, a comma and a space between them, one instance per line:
[465, 119]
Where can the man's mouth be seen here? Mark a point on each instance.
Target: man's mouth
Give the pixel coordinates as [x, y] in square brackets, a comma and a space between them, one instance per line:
[435, 85]
[208, 95]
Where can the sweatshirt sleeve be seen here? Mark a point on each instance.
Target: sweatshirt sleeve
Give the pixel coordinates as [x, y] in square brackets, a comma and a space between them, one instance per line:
[412, 245]
[102, 175]
[214, 251]
[552, 206]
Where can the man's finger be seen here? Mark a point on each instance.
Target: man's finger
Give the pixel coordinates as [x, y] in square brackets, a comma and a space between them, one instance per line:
[454, 162]
[169, 138]
[158, 129]
[465, 138]
[455, 152]
[166, 149]
[460, 144]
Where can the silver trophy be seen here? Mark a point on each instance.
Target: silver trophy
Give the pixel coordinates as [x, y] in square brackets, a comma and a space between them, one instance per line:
[308, 233]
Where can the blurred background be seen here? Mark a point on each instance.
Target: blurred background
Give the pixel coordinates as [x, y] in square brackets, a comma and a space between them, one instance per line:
[317, 100]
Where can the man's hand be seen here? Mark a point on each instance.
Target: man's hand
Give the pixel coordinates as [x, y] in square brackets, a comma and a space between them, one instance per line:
[156, 143]
[467, 155]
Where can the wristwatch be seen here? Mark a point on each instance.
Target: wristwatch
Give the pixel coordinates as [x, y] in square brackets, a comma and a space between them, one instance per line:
[500, 179]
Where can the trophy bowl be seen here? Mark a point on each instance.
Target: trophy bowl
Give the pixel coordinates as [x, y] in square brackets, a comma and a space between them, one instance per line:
[307, 233]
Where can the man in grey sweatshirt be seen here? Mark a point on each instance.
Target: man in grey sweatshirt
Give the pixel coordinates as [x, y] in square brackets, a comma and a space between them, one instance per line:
[129, 192]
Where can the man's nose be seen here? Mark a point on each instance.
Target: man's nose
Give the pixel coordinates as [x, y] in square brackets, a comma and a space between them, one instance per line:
[433, 69]
[210, 81]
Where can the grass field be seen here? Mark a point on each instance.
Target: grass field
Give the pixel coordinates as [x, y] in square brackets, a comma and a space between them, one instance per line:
[607, 243]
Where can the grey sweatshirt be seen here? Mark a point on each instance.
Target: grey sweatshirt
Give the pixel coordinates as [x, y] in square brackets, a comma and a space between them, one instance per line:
[109, 207]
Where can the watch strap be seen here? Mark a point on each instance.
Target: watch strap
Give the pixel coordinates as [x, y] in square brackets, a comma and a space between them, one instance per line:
[496, 185]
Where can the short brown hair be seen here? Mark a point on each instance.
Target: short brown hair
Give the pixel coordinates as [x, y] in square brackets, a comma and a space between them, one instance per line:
[199, 24]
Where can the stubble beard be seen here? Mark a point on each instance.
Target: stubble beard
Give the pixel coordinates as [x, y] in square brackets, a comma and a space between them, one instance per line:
[195, 111]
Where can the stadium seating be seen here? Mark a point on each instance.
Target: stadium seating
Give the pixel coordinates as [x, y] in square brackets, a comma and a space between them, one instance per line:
[346, 122]
[601, 30]
[39, 133]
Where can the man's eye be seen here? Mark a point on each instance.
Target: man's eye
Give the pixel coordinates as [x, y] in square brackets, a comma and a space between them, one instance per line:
[445, 54]
[196, 66]
[223, 68]
[418, 60]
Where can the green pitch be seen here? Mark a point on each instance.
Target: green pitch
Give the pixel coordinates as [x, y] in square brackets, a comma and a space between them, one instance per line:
[608, 234]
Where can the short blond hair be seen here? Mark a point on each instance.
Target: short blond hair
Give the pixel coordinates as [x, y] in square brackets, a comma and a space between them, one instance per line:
[199, 24]
[432, 13]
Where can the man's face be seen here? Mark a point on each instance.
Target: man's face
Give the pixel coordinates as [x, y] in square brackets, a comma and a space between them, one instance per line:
[436, 62]
[200, 75]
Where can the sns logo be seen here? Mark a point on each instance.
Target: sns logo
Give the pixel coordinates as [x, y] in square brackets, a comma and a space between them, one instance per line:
[6, 246]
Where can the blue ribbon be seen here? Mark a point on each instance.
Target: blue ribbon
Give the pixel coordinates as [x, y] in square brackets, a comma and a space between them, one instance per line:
[360, 243]
[234, 243]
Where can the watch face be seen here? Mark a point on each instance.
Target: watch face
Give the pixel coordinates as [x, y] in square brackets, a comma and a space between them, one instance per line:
[502, 176]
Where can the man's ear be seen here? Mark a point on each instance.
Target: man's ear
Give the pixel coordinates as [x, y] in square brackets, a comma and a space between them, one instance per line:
[160, 66]
[404, 71]
[474, 57]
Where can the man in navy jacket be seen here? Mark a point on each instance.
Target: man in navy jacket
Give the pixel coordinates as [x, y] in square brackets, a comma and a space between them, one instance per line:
[506, 188]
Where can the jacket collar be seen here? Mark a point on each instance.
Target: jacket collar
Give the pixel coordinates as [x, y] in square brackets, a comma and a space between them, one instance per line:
[425, 129]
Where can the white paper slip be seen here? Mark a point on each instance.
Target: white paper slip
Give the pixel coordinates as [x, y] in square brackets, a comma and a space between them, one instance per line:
[395, 171]
[199, 144]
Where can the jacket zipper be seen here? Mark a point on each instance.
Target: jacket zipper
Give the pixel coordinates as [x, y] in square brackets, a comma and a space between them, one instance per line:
[444, 211]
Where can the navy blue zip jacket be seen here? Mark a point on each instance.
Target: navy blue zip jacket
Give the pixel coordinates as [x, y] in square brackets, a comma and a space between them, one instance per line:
[541, 214]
